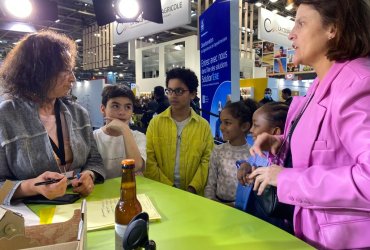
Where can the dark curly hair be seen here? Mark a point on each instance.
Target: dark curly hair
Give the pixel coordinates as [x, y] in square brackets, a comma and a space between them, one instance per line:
[287, 91]
[242, 110]
[187, 76]
[30, 69]
[159, 92]
[112, 91]
[275, 113]
[352, 20]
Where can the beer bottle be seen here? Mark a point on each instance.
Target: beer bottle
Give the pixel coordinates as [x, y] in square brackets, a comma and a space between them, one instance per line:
[128, 205]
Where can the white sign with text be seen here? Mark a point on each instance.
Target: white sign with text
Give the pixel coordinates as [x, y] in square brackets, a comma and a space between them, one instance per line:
[274, 28]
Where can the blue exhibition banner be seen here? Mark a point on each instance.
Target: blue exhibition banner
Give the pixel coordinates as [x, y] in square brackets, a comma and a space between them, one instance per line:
[215, 62]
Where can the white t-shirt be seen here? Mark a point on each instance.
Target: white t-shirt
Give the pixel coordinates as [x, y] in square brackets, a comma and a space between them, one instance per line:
[112, 150]
[180, 126]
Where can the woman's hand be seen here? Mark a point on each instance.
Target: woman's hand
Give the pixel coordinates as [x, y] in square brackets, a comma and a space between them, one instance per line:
[84, 185]
[50, 191]
[264, 176]
[243, 173]
[265, 142]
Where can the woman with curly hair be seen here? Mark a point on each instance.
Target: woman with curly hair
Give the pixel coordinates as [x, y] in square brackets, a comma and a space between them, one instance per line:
[43, 134]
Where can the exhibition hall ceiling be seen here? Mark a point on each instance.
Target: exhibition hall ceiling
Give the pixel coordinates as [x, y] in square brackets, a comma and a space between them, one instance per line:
[76, 15]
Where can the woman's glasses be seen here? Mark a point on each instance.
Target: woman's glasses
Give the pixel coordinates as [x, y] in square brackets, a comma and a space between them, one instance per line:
[178, 92]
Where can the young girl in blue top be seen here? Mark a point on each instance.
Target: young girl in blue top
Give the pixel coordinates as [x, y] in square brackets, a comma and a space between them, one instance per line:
[236, 120]
[270, 118]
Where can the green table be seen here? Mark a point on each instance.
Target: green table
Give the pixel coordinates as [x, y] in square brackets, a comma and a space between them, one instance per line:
[191, 222]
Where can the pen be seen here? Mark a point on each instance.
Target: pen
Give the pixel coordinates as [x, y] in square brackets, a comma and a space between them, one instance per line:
[51, 181]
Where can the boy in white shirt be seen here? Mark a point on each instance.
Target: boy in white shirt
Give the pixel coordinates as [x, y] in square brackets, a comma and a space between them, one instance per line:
[116, 141]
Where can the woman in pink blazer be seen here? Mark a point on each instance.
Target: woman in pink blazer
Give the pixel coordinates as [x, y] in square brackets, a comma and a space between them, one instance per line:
[329, 182]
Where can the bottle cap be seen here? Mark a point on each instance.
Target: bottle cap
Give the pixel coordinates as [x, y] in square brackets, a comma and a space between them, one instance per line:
[128, 162]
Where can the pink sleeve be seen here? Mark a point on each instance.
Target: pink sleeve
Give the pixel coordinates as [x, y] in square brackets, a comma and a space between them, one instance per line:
[336, 185]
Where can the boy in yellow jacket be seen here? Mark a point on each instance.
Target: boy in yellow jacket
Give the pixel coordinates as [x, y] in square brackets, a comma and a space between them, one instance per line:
[179, 141]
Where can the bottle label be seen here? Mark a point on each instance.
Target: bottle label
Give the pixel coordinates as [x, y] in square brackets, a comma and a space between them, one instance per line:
[120, 231]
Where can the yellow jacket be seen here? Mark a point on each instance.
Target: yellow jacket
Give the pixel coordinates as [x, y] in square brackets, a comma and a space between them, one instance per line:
[195, 150]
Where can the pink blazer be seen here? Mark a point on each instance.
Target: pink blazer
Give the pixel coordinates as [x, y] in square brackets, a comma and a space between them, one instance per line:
[329, 183]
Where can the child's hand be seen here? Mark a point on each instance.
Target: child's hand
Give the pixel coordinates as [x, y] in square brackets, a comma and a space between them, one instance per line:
[243, 173]
[115, 127]
[191, 190]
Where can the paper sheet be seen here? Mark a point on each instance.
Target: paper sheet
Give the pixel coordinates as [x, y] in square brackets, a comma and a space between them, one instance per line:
[100, 214]
[30, 218]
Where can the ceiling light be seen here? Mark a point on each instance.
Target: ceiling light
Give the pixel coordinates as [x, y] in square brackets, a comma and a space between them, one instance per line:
[128, 9]
[14, 8]
[17, 26]
[57, 21]
[177, 47]
[289, 6]
[24, 9]
[78, 40]
[273, 1]
[123, 11]
[258, 4]
[248, 29]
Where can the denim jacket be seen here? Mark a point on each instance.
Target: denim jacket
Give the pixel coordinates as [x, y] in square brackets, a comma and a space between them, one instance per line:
[25, 148]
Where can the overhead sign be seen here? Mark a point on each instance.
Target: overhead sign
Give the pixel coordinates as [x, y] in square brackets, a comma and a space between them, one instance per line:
[175, 13]
[218, 58]
[274, 28]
